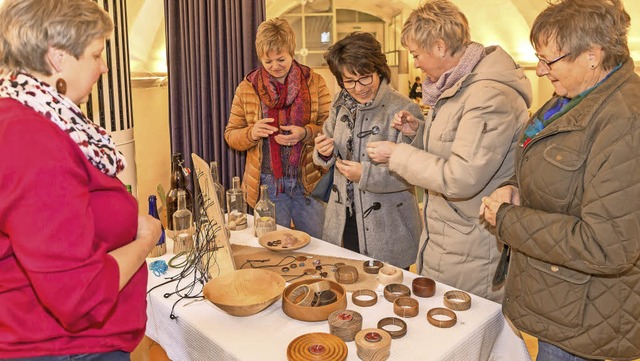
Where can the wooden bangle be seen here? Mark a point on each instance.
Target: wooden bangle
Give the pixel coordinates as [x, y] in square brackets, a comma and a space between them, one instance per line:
[319, 286]
[395, 290]
[355, 298]
[444, 312]
[372, 266]
[389, 274]
[373, 344]
[393, 321]
[346, 274]
[457, 300]
[406, 307]
[345, 324]
[301, 296]
[423, 287]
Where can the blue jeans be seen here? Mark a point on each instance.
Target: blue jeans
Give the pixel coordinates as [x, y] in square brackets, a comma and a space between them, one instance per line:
[549, 352]
[107, 356]
[306, 213]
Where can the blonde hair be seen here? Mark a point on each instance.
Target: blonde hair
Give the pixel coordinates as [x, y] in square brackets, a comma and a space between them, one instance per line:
[275, 35]
[576, 25]
[29, 27]
[436, 19]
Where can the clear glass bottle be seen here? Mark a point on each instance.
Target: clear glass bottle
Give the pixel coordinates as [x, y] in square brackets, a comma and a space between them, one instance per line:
[183, 226]
[236, 206]
[160, 247]
[178, 182]
[219, 189]
[264, 214]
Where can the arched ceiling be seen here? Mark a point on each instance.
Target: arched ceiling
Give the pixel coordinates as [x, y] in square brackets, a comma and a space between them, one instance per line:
[503, 22]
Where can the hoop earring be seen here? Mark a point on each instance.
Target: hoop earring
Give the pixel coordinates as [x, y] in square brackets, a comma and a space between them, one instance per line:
[61, 86]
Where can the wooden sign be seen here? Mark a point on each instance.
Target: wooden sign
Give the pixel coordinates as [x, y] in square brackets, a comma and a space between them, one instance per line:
[220, 258]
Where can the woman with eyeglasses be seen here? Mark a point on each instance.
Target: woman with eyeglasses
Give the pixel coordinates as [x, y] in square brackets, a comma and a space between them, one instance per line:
[371, 210]
[572, 213]
[478, 100]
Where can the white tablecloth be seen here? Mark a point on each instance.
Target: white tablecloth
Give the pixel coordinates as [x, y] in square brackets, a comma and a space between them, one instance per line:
[202, 332]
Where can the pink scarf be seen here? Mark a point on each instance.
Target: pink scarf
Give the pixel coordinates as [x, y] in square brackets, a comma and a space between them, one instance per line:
[431, 91]
[287, 104]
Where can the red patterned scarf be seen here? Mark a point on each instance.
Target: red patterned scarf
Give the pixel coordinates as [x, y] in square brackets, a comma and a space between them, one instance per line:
[287, 104]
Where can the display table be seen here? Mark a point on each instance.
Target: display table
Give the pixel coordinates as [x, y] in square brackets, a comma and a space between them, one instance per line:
[202, 332]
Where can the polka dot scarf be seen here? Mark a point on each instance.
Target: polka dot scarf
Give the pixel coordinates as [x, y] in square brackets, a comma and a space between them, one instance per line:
[93, 140]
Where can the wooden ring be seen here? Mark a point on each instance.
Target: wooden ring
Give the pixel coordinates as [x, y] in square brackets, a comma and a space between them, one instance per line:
[395, 290]
[301, 296]
[457, 300]
[406, 307]
[372, 266]
[346, 274]
[355, 298]
[423, 287]
[319, 286]
[393, 321]
[444, 312]
[389, 274]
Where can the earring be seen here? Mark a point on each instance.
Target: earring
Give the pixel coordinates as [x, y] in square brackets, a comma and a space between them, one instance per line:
[442, 56]
[593, 66]
[61, 86]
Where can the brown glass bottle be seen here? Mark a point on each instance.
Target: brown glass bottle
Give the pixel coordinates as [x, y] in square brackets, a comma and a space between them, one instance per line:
[178, 182]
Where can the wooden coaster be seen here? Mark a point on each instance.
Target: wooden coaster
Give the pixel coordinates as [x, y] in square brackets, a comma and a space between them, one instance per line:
[317, 346]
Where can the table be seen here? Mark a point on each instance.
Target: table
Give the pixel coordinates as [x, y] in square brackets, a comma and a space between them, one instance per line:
[202, 332]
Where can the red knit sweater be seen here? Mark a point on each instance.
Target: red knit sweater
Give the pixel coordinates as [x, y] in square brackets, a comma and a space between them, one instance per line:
[59, 216]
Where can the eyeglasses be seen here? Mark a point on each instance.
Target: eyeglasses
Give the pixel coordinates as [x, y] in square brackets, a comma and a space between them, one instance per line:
[364, 81]
[547, 64]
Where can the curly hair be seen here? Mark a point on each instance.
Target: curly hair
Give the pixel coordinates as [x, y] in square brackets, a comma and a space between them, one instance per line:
[576, 25]
[358, 53]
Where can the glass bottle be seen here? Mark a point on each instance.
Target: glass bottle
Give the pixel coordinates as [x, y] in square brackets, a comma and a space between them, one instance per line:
[178, 182]
[160, 247]
[236, 207]
[219, 189]
[264, 214]
[183, 226]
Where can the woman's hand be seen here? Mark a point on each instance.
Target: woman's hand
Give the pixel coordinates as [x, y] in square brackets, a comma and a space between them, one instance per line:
[293, 135]
[491, 204]
[350, 169]
[262, 129]
[406, 123]
[323, 145]
[380, 152]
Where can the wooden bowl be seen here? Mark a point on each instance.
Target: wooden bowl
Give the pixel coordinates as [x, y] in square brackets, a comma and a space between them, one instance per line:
[244, 292]
[290, 240]
[310, 313]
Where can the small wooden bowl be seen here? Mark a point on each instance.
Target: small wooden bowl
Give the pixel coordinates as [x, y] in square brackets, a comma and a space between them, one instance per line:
[244, 292]
[290, 240]
[309, 313]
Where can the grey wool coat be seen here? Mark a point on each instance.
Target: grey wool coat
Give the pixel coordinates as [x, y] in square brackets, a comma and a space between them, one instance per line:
[392, 232]
[464, 152]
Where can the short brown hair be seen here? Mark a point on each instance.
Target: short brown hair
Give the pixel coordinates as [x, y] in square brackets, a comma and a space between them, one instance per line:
[576, 25]
[358, 53]
[275, 35]
[29, 27]
[436, 19]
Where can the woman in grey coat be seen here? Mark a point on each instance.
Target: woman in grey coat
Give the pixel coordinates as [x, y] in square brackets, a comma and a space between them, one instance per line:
[370, 211]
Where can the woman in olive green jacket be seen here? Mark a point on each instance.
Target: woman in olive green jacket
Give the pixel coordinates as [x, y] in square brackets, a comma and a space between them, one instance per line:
[572, 213]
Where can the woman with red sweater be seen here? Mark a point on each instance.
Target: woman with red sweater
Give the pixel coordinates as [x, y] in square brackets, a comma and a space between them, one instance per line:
[72, 246]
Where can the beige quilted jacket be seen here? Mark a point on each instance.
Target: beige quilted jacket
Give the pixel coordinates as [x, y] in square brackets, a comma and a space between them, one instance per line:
[574, 277]
[245, 111]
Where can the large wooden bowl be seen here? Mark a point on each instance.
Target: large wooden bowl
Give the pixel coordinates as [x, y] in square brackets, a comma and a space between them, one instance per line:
[244, 292]
[309, 313]
[290, 240]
